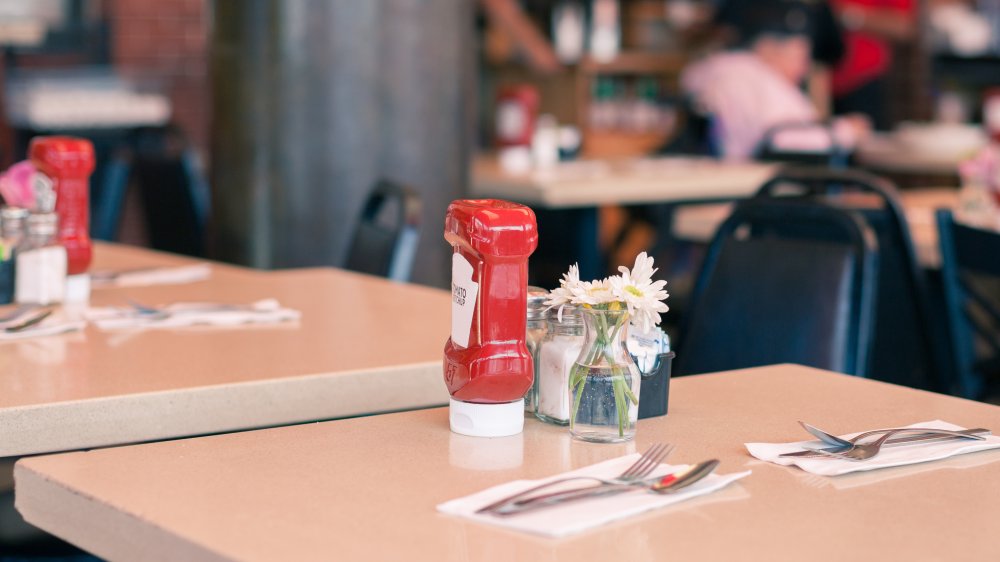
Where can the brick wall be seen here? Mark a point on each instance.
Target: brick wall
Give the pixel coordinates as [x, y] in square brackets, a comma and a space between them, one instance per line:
[166, 42]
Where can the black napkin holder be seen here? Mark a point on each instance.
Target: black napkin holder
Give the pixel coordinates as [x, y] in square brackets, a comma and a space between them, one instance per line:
[654, 388]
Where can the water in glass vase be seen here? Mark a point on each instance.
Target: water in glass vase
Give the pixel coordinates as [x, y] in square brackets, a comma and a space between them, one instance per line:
[606, 411]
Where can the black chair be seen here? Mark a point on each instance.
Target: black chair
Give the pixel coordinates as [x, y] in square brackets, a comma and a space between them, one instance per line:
[174, 193]
[385, 239]
[764, 298]
[771, 149]
[161, 163]
[970, 277]
[901, 349]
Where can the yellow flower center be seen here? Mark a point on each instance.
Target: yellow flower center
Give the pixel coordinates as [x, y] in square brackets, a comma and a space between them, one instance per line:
[633, 290]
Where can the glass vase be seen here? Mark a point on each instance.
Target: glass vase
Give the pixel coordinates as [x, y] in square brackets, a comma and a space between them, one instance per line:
[604, 381]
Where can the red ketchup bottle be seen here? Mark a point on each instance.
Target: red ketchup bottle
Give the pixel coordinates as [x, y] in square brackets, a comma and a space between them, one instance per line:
[517, 111]
[68, 162]
[487, 366]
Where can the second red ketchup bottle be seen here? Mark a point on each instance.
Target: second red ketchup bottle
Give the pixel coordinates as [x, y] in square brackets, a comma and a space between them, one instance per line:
[487, 366]
[68, 162]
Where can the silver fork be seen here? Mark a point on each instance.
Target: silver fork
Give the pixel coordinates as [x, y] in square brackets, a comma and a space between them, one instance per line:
[864, 451]
[836, 441]
[642, 468]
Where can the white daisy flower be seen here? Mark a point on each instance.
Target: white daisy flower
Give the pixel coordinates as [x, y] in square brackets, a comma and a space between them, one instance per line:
[564, 294]
[642, 271]
[594, 293]
[641, 295]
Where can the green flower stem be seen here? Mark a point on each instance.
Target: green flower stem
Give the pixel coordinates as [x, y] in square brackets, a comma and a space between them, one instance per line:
[602, 351]
[577, 380]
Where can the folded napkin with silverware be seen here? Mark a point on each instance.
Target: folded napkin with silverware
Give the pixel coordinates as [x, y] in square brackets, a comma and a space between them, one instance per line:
[561, 520]
[151, 276]
[897, 449]
[180, 315]
[30, 321]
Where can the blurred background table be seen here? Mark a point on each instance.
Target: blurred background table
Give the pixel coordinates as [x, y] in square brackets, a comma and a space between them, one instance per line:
[278, 493]
[590, 183]
[921, 154]
[567, 198]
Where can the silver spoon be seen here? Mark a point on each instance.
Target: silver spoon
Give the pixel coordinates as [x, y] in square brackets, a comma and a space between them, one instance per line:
[828, 438]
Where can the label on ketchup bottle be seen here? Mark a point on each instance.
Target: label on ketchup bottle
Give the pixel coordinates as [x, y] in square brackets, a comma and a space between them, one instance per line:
[464, 291]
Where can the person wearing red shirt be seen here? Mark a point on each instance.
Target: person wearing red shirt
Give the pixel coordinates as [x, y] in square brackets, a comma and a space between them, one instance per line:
[869, 26]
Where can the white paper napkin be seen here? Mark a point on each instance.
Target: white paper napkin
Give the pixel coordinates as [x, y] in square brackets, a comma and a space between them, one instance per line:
[575, 517]
[56, 323]
[889, 455]
[152, 276]
[180, 315]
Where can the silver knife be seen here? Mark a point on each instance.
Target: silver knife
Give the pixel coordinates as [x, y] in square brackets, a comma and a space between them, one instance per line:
[896, 441]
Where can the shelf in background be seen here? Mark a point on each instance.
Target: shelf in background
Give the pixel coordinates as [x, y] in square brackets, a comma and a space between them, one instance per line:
[611, 143]
[635, 62]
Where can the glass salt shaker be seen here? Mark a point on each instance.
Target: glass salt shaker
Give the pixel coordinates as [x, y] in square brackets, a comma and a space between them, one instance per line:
[11, 237]
[556, 356]
[40, 276]
[536, 331]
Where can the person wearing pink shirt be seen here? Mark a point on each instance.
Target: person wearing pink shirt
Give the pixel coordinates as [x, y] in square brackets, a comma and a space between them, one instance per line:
[755, 89]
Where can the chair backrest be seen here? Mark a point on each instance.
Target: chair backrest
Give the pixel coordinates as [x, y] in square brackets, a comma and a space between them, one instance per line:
[901, 349]
[174, 191]
[694, 131]
[385, 238]
[790, 142]
[970, 277]
[763, 298]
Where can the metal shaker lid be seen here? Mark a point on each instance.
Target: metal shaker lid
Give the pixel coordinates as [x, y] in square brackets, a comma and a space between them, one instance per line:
[43, 224]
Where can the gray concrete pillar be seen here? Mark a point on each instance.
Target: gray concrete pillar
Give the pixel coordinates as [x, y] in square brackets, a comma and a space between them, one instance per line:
[314, 100]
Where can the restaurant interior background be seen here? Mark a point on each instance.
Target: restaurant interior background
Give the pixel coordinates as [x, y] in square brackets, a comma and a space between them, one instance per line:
[255, 131]
[314, 111]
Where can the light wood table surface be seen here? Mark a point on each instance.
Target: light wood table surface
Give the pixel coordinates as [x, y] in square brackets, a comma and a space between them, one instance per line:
[366, 488]
[591, 183]
[884, 152]
[578, 188]
[363, 345]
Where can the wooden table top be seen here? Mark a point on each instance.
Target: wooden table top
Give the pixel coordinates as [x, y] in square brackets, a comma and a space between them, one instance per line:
[883, 152]
[366, 488]
[363, 345]
[589, 183]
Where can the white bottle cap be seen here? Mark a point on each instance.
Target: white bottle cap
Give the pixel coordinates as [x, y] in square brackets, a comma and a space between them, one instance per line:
[77, 288]
[486, 420]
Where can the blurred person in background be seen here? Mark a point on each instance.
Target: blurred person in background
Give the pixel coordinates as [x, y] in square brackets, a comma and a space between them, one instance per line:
[826, 34]
[870, 26]
[757, 87]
